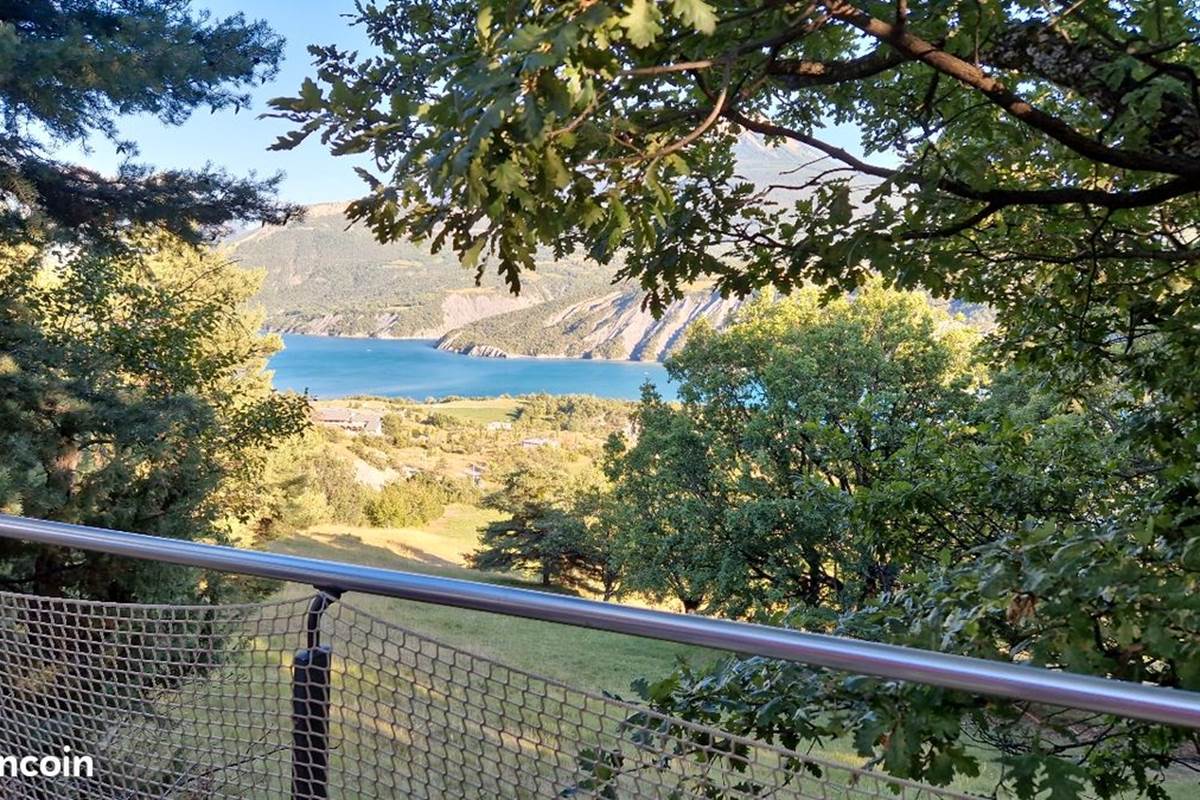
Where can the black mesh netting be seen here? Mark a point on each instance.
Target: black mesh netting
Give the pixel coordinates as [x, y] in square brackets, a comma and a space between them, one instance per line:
[198, 702]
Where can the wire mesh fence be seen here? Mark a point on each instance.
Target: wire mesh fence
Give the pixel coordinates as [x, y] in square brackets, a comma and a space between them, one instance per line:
[245, 702]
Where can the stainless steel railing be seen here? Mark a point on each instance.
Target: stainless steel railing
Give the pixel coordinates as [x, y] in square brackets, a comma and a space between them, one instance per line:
[1156, 704]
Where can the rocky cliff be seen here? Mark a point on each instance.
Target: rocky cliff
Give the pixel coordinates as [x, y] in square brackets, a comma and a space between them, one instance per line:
[611, 324]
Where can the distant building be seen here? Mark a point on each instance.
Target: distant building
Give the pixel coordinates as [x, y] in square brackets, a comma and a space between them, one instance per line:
[499, 426]
[538, 441]
[350, 419]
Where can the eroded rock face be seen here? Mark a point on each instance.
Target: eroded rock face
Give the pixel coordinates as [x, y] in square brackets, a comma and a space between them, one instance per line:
[611, 325]
[482, 351]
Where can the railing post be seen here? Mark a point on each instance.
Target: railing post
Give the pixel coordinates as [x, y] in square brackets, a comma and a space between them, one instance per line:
[310, 707]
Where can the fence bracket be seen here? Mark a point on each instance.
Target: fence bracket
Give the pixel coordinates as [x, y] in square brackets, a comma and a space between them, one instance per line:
[310, 705]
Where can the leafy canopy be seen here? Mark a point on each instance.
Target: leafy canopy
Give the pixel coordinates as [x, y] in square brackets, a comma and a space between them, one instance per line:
[786, 474]
[496, 127]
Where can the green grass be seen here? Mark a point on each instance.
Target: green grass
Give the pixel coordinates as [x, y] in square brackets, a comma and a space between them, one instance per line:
[591, 660]
[442, 543]
[480, 411]
[497, 409]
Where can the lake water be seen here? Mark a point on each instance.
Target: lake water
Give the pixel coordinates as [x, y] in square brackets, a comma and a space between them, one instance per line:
[331, 367]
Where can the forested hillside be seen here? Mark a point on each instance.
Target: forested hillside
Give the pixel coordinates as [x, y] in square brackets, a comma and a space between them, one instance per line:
[326, 278]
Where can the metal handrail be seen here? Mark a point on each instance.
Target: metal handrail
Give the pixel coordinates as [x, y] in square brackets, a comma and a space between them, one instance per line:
[980, 676]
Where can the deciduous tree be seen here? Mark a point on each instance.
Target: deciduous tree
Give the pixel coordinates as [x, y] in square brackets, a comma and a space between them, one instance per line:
[787, 474]
[1040, 157]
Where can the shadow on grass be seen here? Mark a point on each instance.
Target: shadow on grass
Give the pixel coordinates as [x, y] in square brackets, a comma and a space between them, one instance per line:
[351, 549]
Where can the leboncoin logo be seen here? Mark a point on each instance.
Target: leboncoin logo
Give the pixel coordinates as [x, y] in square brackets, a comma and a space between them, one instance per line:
[60, 766]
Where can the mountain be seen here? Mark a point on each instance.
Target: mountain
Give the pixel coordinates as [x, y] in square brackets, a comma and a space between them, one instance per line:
[611, 324]
[323, 277]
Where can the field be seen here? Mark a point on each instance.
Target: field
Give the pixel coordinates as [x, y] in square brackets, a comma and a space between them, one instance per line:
[482, 411]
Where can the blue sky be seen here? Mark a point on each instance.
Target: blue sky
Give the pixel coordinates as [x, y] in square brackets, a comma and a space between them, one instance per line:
[238, 141]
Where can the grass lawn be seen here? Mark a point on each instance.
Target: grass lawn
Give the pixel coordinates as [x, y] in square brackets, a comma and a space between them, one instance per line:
[497, 409]
[444, 542]
[492, 409]
[593, 660]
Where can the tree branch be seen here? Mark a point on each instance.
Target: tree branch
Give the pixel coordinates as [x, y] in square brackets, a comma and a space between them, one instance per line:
[972, 76]
[957, 227]
[799, 73]
[1000, 197]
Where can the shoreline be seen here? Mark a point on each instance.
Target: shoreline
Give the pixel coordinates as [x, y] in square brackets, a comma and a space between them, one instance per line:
[434, 341]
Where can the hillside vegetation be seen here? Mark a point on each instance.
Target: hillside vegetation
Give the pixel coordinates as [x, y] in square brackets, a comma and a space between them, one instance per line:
[323, 277]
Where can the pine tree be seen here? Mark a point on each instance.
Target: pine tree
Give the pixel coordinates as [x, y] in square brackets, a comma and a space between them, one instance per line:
[133, 395]
[70, 68]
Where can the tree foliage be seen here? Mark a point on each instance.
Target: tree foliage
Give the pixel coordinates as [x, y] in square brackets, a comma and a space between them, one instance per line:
[409, 501]
[540, 530]
[571, 412]
[133, 395]
[1040, 158]
[787, 474]
[1069, 129]
[848, 469]
[70, 68]
[133, 391]
[1068, 575]
[306, 482]
[601, 563]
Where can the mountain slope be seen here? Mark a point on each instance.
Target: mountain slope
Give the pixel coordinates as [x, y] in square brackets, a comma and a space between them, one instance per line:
[606, 325]
[325, 278]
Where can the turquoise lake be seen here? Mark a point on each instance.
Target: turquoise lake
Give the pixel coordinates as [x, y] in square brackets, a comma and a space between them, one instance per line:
[329, 367]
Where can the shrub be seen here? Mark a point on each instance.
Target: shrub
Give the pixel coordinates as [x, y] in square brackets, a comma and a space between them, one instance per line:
[414, 501]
